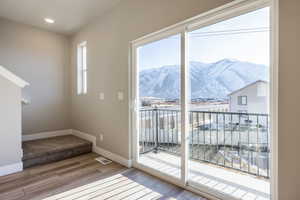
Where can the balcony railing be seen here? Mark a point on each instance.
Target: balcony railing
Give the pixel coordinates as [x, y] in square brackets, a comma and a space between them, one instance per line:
[239, 141]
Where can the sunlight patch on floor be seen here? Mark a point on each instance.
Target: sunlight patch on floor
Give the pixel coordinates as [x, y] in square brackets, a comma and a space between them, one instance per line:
[115, 187]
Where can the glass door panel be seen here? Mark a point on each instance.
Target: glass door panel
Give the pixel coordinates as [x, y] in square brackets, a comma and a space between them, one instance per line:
[229, 137]
[159, 105]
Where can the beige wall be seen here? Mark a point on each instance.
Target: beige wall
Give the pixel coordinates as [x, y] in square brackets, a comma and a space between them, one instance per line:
[108, 42]
[42, 59]
[10, 127]
[289, 98]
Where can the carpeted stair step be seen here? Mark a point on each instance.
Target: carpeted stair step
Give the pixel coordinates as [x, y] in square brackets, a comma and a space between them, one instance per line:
[43, 151]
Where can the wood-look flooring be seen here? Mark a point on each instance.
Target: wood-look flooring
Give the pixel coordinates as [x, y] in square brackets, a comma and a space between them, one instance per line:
[83, 178]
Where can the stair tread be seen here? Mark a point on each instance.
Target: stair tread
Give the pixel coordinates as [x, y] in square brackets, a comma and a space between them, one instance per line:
[42, 147]
[44, 151]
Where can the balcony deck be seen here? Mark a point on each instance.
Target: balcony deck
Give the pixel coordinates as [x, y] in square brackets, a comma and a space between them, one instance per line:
[237, 184]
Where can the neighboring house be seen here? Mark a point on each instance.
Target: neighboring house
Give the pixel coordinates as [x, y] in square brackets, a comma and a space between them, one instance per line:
[251, 98]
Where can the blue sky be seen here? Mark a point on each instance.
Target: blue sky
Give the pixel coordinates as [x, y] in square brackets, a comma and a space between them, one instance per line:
[245, 38]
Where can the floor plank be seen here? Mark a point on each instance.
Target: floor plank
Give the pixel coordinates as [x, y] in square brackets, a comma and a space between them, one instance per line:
[83, 178]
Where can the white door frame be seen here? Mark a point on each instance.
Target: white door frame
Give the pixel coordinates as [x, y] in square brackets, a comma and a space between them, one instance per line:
[222, 13]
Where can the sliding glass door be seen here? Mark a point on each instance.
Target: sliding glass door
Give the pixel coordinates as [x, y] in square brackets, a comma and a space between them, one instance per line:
[159, 100]
[229, 132]
[201, 115]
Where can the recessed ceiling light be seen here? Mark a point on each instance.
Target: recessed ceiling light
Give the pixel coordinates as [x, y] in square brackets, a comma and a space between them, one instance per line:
[48, 20]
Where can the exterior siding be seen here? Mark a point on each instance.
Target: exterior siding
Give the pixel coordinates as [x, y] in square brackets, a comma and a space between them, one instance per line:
[257, 99]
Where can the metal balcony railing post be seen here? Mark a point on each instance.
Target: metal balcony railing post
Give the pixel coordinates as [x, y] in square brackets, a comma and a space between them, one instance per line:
[156, 130]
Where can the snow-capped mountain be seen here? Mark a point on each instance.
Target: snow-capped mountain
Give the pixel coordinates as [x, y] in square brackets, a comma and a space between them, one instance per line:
[208, 80]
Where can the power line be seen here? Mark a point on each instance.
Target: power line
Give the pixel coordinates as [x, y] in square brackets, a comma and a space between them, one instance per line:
[226, 32]
[233, 30]
[223, 34]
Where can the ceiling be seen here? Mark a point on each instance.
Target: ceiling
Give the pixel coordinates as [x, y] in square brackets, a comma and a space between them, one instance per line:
[69, 15]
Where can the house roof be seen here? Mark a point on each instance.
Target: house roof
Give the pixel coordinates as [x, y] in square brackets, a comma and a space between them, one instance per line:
[250, 84]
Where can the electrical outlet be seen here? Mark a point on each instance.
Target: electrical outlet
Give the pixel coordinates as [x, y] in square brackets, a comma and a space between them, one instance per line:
[120, 96]
[101, 96]
[101, 137]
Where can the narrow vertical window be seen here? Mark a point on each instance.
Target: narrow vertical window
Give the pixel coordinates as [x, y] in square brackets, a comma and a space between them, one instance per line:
[82, 68]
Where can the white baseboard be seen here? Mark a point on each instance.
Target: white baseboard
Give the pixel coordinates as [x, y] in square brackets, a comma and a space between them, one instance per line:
[48, 134]
[10, 169]
[112, 156]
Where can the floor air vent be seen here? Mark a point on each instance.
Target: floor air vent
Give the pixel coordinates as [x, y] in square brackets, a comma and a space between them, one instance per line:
[103, 161]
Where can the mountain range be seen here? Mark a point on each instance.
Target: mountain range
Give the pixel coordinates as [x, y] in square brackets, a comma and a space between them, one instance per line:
[207, 80]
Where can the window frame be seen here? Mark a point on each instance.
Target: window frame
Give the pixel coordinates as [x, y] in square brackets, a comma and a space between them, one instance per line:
[82, 69]
[213, 16]
[241, 102]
